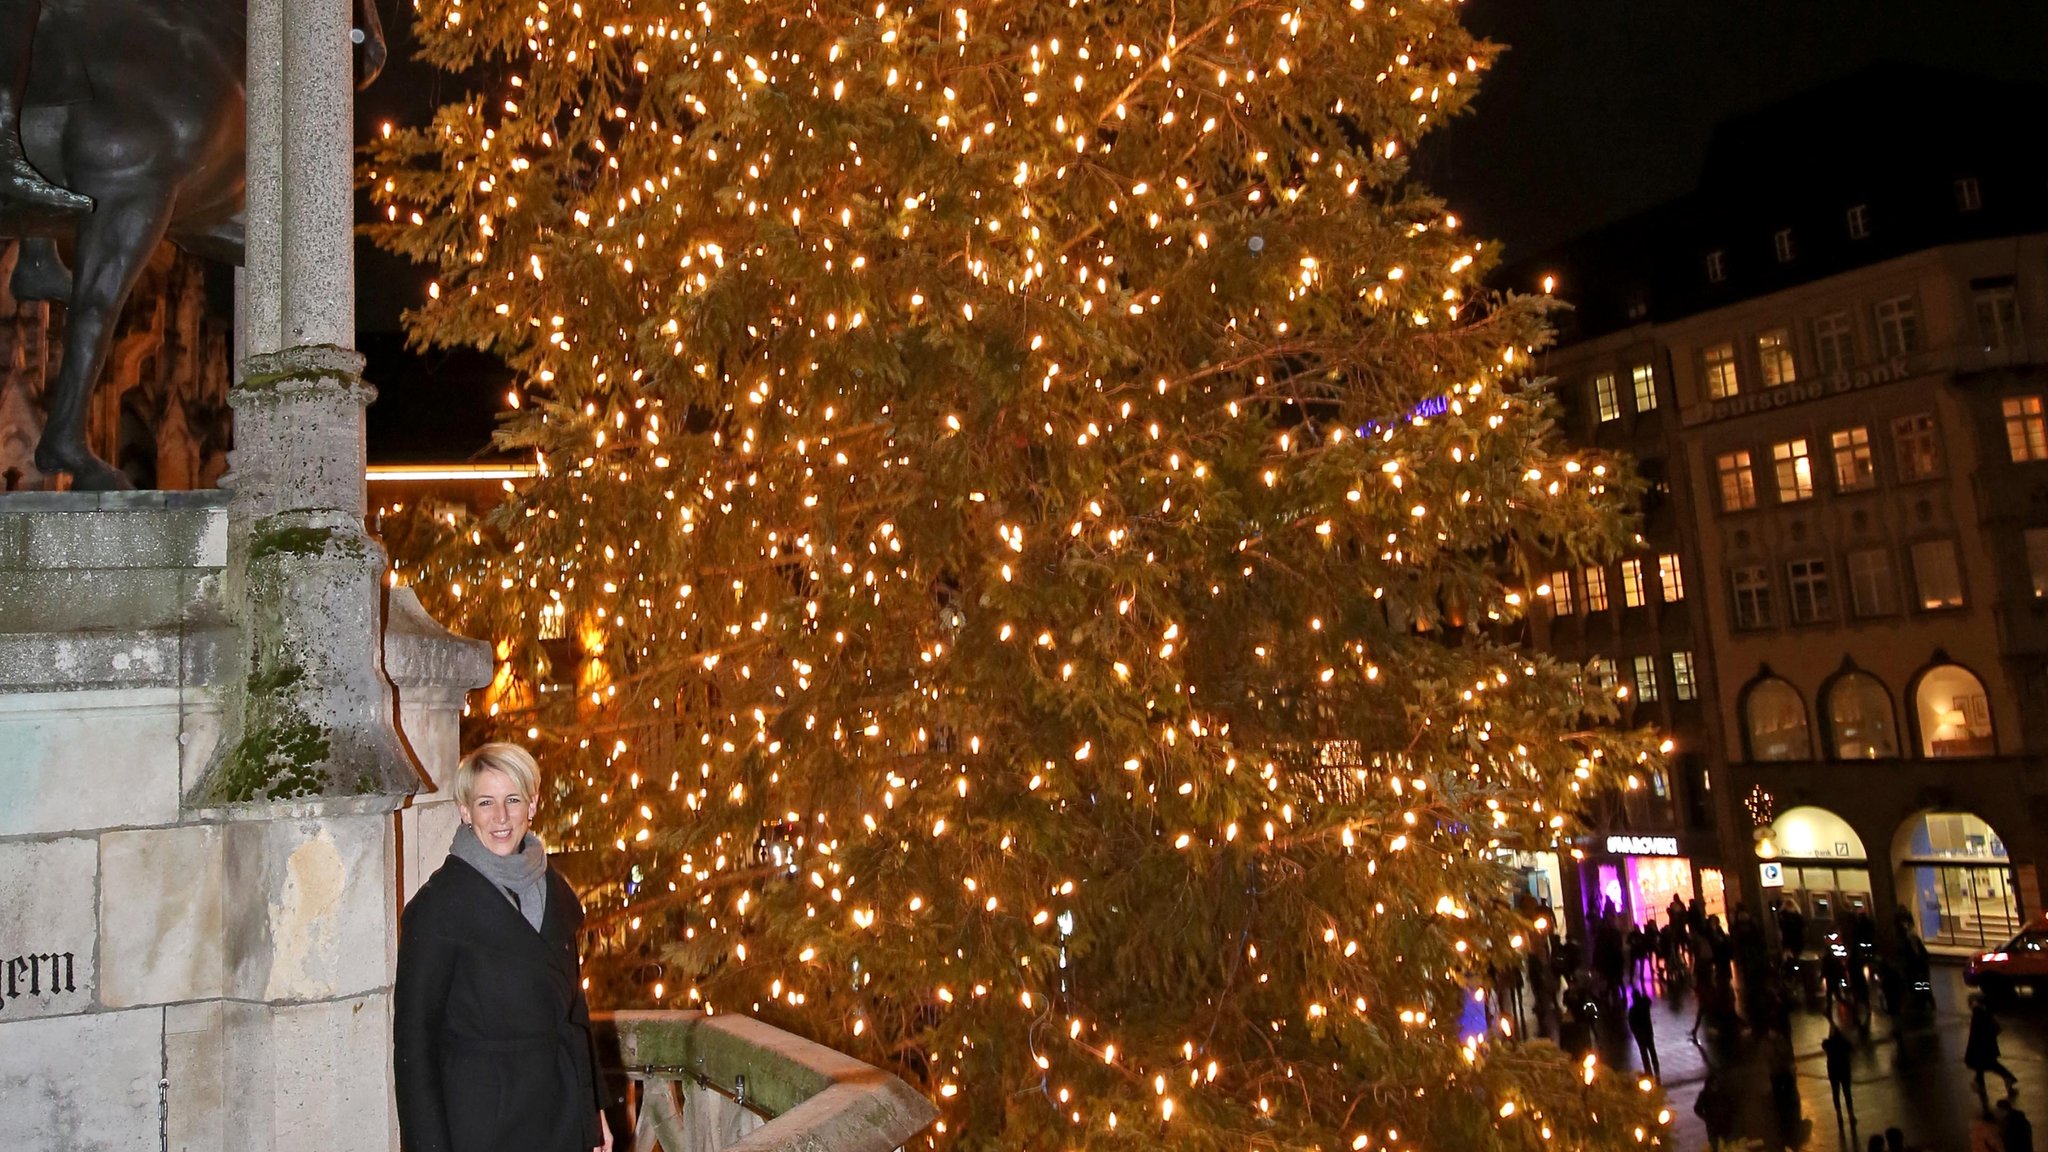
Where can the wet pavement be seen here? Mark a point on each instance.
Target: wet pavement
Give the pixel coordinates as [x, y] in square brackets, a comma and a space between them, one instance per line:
[1908, 1073]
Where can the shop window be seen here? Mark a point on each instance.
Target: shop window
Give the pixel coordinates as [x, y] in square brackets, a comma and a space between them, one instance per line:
[1596, 588]
[1645, 670]
[1738, 483]
[1898, 326]
[2026, 433]
[1774, 715]
[1561, 593]
[1859, 713]
[1774, 357]
[1870, 583]
[1936, 579]
[2037, 560]
[1854, 468]
[1751, 585]
[1719, 362]
[1794, 470]
[1684, 683]
[1956, 878]
[1834, 343]
[1918, 453]
[1953, 713]
[1606, 397]
[1809, 592]
[1632, 592]
[1645, 381]
[1671, 576]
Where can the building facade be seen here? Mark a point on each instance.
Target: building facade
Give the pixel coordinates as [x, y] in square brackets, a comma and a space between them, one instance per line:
[1831, 368]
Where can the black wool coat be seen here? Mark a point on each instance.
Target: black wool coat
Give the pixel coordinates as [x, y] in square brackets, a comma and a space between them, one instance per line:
[491, 1035]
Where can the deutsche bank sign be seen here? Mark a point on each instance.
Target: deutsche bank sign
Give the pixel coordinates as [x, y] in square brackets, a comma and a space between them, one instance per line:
[1642, 845]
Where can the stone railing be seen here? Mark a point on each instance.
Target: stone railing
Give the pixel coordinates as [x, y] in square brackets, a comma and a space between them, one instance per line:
[700, 1083]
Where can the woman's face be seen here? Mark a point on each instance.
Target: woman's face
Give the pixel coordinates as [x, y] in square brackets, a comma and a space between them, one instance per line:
[498, 812]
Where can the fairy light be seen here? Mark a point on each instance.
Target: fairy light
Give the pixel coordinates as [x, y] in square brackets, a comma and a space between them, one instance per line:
[1001, 484]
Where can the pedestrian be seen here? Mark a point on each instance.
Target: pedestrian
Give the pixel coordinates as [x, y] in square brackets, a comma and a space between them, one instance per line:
[1875, 1144]
[1895, 1140]
[1980, 1051]
[1716, 1109]
[1643, 1029]
[491, 1034]
[1837, 1049]
[2014, 1127]
[1784, 1084]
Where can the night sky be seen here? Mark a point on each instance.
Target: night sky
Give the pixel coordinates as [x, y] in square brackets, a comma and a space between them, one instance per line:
[1599, 109]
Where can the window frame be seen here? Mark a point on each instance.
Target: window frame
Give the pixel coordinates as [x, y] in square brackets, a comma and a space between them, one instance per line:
[1897, 322]
[1606, 398]
[1946, 546]
[1916, 428]
[1741, 469]
[1751, 592]
[1644, 379]
[2034, 545]
[1834, 342]
[2026, 427]
[1852, 446]
[1634, 593]
[1776, 363]
[1670, 577]
[1596, 588]
[1857, 218]
[1643, 671]
[1782, 246]
[1562, 602]
[1717, 265]
[1809, 575]
[1792, 470]
[1881, 580]
[1998, 329]
[1719, 371]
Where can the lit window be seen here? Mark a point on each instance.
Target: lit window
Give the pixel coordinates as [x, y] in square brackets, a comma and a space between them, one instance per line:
[1632, 593]
[1859, 221]
[2037, 560]
[1600, 671]
[1859, 717]
[1671, 576]
[1738, 483]
[1683, 684]
[1775, 714]
[1645, 670]
[1794, 470]
[1834, 343]
[1935, 575]
[1717, 266]
[1774, 356]
[1969, 197]
[1720, 370]
[1606, 397]
[1854, 467]
[1997, 306]
[1752, 588]
[1898, 326]
[1561, 593]
[1954, 713]
[2026, 434]
[1808, 592]
[1645, 380]
[1913, 438]
[1596, 589]
[1781, 243]
[1870, 583]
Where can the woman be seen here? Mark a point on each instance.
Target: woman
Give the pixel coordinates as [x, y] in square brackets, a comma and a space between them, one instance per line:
[492, 1035]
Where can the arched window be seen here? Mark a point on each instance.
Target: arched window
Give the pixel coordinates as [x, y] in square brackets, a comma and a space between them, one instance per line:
[1775, 716]
[1859, 714]
[1953, 712]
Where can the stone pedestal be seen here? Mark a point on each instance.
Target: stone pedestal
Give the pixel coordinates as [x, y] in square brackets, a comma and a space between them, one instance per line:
[217, 976]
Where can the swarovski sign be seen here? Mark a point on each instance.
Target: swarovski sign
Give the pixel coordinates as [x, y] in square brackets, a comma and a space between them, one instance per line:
[1799, 392]
[1642, 845]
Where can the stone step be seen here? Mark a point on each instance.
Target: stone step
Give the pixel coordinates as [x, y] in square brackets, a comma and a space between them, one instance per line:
[104, 599]
[170, 531]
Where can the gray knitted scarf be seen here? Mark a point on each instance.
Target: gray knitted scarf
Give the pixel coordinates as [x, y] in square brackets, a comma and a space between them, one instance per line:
[522, 876]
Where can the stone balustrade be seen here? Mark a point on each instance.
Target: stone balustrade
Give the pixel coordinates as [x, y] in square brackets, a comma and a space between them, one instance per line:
[712, 1083]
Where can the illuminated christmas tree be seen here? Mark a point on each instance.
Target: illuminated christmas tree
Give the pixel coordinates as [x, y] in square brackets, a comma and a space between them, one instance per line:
[1032, 504]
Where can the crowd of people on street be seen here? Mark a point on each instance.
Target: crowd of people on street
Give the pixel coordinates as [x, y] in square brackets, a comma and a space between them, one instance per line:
[1746, 980]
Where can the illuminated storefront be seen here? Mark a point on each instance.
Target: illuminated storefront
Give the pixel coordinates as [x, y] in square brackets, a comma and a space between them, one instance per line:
[1637, 877]
[1819, 866]
[1953, 870]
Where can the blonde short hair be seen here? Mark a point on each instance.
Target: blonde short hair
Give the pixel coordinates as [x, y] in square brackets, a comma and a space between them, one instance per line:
[515, 762]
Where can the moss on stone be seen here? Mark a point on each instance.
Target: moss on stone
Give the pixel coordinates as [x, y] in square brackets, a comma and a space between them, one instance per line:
[278, 759]
[273, 540]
